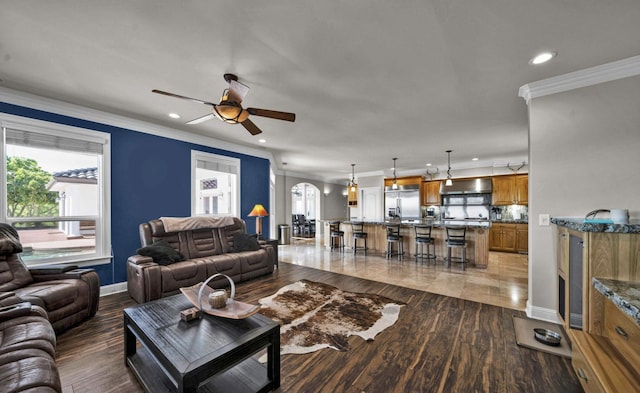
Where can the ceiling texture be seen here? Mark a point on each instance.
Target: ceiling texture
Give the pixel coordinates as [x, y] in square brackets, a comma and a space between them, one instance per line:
[368, 80]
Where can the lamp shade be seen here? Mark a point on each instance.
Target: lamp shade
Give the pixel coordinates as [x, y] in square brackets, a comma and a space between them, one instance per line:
[258, 211]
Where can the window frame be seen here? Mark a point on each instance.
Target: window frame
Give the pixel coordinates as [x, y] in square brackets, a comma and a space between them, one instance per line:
[197, 155]
[103, 253]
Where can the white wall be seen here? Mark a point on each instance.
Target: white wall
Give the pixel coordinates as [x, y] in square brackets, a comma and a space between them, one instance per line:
[584, 154]
[333, 201]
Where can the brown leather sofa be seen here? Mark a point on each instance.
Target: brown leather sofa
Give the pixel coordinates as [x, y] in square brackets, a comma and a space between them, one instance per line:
[207, 245]
[67, 294]
[27, 348]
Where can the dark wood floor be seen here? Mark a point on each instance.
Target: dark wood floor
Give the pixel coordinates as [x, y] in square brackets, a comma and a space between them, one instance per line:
[439, 344]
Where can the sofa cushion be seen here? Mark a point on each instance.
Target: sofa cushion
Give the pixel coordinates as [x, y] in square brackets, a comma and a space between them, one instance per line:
[245, 242]
[161, 252]
[29, 370]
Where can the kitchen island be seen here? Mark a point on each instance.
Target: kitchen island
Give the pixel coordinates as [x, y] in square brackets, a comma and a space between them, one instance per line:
[477, 237]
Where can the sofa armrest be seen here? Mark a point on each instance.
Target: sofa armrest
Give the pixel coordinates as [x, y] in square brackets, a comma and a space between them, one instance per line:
[14, 311]
[85, 275]
[144, 279]
[52, 269]
[139, 260]
[56, 273]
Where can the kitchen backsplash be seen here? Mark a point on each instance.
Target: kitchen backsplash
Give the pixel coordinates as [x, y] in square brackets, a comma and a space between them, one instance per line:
[510, 212]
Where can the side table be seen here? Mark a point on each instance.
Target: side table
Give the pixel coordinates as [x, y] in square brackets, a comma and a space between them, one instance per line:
[273, 243]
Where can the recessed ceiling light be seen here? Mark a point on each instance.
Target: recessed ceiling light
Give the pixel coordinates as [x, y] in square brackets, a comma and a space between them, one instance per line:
[429, 164]
[542, 58]
[174, 115]
[474, 159]
[262, 140]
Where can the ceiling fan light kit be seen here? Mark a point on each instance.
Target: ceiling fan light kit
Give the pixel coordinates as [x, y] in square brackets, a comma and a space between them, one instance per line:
[230, 113]
[230, 110]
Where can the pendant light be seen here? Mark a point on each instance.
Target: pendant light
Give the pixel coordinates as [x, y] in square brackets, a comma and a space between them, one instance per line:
[352, 183]
[394, 186]
[352, 189]
[449, 182]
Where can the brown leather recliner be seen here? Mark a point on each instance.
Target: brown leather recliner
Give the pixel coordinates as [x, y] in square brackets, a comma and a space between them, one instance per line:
[27, 348]
[207, 245]
[67, 294]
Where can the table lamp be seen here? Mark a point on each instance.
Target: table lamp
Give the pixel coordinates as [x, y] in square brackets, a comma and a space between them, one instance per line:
[258, 212]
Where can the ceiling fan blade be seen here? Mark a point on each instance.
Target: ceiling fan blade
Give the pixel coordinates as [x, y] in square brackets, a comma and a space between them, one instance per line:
[252, 128]
[237, 91]
[201, 119]
[272, 114]
[182, 97]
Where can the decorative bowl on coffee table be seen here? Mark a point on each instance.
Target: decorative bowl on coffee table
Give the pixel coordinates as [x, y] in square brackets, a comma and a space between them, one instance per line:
[198, 295]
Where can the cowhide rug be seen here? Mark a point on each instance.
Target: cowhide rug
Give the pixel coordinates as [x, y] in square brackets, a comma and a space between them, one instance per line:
[314, 315]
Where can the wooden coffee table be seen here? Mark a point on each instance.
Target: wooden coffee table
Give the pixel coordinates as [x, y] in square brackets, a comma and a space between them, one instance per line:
[212, 354]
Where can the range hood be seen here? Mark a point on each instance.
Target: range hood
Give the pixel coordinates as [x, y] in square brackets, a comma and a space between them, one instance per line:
[467, 186]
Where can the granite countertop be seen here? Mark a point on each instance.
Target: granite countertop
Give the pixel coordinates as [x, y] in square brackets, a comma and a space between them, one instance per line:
[510, 221]
[434, 222]
[624, 294]
[582, 225]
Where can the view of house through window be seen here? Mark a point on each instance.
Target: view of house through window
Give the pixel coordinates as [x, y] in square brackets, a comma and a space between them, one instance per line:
[215, 185]
[53, 195]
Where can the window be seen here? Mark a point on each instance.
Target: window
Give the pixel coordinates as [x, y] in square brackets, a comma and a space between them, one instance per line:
[55, 191]
[215, 185]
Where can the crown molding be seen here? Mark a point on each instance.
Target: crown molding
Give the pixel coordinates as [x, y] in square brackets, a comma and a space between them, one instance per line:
[33, 101]
[587, 77]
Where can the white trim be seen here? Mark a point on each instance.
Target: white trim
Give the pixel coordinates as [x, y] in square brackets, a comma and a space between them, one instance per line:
[63, 108]
[545, 314]
[587, 77]
[103, 242]
[113, 288]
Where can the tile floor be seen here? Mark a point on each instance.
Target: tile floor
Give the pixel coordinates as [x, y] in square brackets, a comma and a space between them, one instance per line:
[503, 283]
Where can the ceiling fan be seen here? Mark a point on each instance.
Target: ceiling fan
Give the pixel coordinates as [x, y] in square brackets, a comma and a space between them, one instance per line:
[229, 109]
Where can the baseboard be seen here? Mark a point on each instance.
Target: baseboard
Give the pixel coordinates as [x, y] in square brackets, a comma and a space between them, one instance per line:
[113, 288]
[545, 314]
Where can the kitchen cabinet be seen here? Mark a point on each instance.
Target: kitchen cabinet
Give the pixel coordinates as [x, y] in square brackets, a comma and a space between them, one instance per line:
[431, 193]
[502, 237]
[522, 238]
[510, 190]
[522, 189]
[605, 341]
[404, 181]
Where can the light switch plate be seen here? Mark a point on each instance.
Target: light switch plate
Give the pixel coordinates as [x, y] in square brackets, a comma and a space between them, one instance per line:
[544, 220]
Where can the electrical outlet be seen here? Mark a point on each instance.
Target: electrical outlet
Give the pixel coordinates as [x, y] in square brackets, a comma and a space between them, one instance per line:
[544, 220]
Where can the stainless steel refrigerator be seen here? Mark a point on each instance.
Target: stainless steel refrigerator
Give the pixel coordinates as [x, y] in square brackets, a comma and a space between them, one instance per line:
[403, 203]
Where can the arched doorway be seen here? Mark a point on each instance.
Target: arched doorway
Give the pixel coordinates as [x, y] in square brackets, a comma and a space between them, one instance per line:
[305, 210]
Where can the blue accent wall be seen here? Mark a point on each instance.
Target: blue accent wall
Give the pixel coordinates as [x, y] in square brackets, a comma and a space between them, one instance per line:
[151, 178]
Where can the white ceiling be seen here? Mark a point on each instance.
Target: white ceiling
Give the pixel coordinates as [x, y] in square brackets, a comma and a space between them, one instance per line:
[368, 80]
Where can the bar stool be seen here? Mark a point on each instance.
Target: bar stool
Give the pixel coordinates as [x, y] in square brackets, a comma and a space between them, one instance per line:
[357, 229]
[423, 237]
[337, 236]
[394, 236]
[456, 238]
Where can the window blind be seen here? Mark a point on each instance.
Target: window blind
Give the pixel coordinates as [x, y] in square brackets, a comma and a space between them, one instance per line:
[48, 141]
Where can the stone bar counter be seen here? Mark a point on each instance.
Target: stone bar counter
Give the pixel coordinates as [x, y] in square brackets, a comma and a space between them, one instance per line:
[477, 237]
